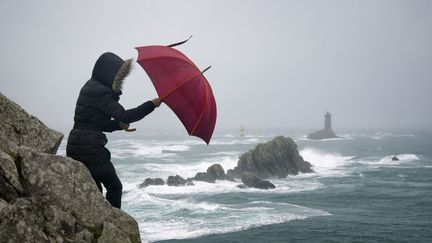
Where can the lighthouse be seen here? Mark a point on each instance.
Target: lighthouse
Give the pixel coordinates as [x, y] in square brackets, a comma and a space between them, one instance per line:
[327, 121]
[327, 132]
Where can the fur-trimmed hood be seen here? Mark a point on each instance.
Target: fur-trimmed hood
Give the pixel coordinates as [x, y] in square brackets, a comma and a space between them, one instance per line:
[111, 70]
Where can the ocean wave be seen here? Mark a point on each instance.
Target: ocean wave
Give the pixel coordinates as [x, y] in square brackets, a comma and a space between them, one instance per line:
[62, 148]
[292, 184]
[245, 140]
[230, 153]
[340, 138]
[137, 149]
[186, 169]
[325, 163]
[381, 135]
[388, 160]
[163, 219]
[402, 158]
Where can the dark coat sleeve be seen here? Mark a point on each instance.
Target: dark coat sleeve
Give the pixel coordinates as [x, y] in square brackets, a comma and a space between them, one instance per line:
[111, 126]
[109, 106]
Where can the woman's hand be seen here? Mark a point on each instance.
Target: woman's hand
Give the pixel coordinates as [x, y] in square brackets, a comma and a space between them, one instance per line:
[125, 127]
[156, 102]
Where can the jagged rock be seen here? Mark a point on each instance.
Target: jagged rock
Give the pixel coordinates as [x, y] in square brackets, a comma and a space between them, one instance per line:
[49, 198]
[230, 173]
[214, 172]
[204, 176]
[10, 188]
[176, 181]
[18, 128]
[250, 180]
[62, 202]
[395, 158]
[150, 182]
[326, 133]
[113, 234]
[9, 172]
[189, 182]
[276, 158]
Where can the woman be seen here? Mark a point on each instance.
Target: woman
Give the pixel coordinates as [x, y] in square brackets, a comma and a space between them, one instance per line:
[98, 111]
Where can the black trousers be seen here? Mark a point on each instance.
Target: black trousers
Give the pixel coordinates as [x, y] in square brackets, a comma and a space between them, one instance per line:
[113, 186]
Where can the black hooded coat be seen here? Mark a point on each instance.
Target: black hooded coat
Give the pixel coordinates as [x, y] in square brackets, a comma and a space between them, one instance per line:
[97, 111]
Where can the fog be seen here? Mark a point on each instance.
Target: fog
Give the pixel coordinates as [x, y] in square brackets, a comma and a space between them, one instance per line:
[275, 64]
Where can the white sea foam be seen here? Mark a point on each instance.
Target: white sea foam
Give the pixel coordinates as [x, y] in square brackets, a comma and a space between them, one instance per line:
[62, 147]
[326, 163]
[161, 218]
[405, 160]
[245, 140]
[381, 135]
[341, 137]
[402, 158]
[230, 153]
[187, 169]
[387, 160]
[137, 149]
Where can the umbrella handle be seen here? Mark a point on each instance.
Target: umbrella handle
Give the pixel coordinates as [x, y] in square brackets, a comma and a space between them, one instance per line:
[179, 43]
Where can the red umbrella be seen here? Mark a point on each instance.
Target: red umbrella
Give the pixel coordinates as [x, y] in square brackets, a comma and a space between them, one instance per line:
[182, 86]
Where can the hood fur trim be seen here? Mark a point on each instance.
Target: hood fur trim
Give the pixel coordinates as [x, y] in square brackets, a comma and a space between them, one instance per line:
[122, 73]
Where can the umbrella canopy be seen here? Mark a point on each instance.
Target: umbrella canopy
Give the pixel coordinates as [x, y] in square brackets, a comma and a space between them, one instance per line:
[182, 86]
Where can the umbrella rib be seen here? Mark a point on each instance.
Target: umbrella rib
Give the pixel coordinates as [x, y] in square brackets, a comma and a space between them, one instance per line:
[202, 113]
[178, 86]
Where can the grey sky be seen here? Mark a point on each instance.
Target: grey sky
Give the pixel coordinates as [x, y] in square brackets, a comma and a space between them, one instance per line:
[276, 64]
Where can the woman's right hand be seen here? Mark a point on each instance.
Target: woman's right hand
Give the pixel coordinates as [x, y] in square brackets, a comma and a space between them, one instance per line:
[156, 102]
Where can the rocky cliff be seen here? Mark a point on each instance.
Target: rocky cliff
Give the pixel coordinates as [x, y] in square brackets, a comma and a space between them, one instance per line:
[276, 158]
[50, 198]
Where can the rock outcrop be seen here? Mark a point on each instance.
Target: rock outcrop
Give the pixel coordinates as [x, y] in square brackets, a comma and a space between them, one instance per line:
[18, 128]
[326, 133]
[152, 182]
[176, 181]
[50, 198]
[276, 158]
[214, 172]
[250, 180]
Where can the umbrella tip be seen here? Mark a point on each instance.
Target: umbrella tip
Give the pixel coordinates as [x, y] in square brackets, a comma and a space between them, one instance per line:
[207, 68]
[179, 43]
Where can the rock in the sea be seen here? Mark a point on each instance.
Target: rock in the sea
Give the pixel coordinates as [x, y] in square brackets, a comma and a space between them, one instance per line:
[189, 182]
[204, 176]
[326, 133]
[18, 128]
[152, 182]
[242, 186]
[395, 158]
[276, 158]
[214, 172]
[49, 198]
[250, 180]
[176, 181]
[230, 173]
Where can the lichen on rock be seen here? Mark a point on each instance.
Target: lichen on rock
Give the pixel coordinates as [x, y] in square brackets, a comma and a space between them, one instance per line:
[49, 198]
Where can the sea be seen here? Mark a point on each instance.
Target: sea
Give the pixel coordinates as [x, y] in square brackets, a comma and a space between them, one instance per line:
[357, 193]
